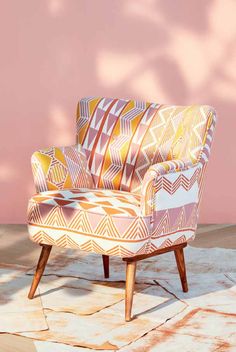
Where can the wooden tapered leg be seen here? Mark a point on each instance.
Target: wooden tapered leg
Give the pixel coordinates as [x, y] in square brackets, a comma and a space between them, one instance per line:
[179, 256]
[40, 269]
[105, 259]
[129, 290]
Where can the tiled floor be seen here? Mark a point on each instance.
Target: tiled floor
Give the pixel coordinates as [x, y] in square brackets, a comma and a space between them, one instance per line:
[77, 310]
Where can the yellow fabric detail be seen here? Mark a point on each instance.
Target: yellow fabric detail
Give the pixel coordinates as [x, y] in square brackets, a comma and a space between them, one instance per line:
[68, 182]
[51, 186]
[59, 156]
[93, 105]
[190, 135]
[83, 129]
[124, 135]
[59, 168]
[44, 160]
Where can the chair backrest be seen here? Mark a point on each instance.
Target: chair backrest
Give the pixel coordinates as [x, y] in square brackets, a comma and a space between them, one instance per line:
[122, 138]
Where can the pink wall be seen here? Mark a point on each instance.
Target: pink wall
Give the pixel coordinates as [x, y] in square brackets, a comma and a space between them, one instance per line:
[55, 51]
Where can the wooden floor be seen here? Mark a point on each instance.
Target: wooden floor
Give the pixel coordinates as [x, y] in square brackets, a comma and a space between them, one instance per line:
[221, 236]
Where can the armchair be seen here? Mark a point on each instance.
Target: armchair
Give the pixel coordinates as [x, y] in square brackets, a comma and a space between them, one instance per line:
[130, 187]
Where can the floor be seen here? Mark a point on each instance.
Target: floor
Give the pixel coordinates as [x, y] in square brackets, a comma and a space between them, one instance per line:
[77, 310]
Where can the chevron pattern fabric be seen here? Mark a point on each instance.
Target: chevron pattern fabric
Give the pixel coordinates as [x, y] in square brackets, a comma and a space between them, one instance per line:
[107, 221]
[131, 185]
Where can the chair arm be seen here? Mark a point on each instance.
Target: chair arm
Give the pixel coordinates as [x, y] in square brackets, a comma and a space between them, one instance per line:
[171, 194]
[61, 168]
[163, 182]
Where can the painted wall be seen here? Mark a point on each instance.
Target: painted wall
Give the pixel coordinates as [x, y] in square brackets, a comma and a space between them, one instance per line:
[55, 51]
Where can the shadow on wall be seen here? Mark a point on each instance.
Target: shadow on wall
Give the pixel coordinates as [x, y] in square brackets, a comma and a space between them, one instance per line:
[55, 51]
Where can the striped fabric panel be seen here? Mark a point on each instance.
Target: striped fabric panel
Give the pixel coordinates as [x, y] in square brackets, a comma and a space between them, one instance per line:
[116, 155]
[136, 146]
[112, 138]
[85, 110]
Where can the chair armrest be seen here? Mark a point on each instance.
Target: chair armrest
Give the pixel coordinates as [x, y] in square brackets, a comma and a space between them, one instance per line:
[61, 168]
[170, 195]
[163, 181]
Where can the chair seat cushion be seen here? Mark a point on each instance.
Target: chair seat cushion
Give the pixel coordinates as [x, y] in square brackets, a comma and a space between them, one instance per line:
[95, 220]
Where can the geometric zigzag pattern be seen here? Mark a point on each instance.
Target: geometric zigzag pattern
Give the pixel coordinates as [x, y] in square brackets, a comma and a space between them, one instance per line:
[123, 138]
[170, 176]
[66, 240]
[63, 218]
[108, 217]
[60, 168]
[131, 185]
[105, 202]
[182, 180]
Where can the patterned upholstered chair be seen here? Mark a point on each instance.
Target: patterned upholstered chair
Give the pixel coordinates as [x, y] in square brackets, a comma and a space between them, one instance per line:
[130, 187]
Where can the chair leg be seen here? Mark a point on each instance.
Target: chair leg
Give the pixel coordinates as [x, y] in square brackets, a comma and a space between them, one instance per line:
[40, 269]
[105, 259]
[179, 256]
[129, 290]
